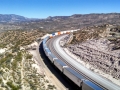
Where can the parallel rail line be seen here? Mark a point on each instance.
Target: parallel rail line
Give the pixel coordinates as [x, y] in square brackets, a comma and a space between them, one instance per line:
[52, 49]
[59, 57]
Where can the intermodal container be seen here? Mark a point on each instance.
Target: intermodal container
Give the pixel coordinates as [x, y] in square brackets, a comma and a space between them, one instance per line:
[67, 32]
[64, 31]
[59, 33]
[50, 35]
[56, 33]
[71, 31]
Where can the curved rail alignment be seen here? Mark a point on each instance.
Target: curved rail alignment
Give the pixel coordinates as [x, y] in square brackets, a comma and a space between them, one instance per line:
[95, 77]
[52, 49]
[59, 52]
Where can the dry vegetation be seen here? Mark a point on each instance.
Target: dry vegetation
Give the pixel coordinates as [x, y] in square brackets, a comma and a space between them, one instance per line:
[88, 33]
[19, 38]
[17, 67]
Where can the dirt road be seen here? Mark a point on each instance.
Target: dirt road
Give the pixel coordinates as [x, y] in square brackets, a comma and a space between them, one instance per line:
[46, 71]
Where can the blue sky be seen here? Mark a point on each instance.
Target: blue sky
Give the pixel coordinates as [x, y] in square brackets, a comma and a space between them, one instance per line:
[45, 8]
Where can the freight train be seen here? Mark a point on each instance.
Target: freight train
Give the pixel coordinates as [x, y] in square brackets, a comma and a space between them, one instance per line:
[78, 79]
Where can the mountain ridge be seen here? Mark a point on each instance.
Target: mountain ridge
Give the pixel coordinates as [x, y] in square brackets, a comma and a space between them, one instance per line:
[58, 23]
[14, 18]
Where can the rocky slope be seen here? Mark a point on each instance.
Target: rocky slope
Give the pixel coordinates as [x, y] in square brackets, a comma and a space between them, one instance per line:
[98, 46]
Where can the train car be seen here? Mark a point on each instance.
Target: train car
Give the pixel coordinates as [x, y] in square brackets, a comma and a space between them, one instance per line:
[67, 32]
[47, 51]
[71, 31]
[53, 34]
[45, 39]
[44, 46]
[74, 76]
[64, 32]
[76, 30]
[59, 33]
[43, 42]
[60, 64]
[56, 33]
[88, 85]
[52, 57]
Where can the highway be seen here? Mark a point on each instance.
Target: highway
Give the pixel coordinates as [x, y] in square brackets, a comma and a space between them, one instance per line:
[57, 50]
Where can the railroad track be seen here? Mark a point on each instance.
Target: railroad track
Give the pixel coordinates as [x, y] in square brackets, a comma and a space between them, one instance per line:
[54, 51]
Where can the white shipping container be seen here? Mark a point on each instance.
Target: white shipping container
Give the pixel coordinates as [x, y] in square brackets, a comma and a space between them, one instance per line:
[61, 32]
[64, 31]
[71, 30]
[75, 30]
[67, 31]
[56, 33]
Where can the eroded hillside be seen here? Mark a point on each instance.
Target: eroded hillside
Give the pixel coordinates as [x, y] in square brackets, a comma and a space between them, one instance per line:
[108, 32]
[99, 48]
